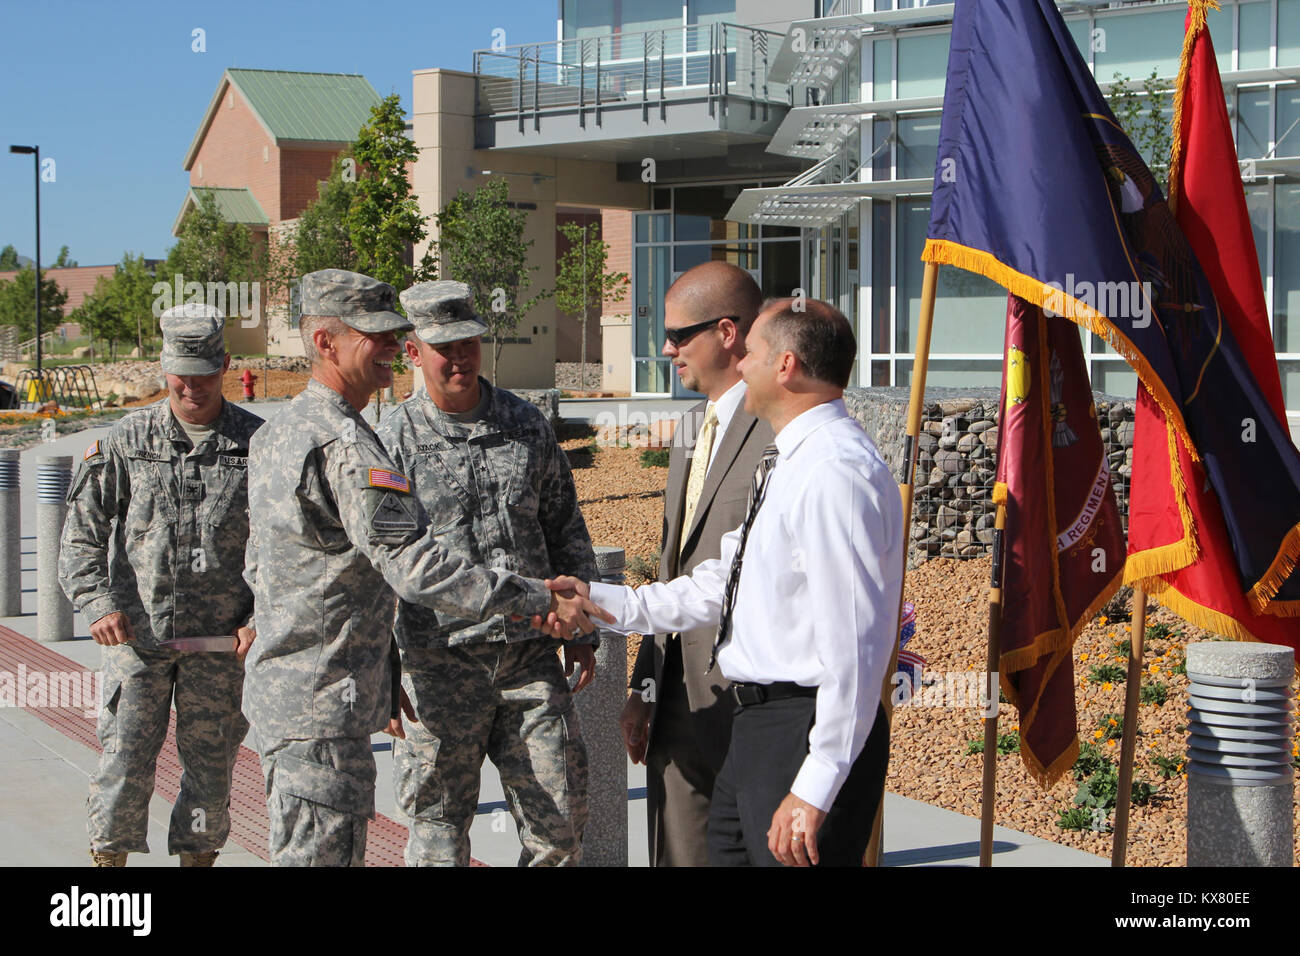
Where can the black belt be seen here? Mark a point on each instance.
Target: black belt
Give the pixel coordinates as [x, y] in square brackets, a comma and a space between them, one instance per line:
[749, 694]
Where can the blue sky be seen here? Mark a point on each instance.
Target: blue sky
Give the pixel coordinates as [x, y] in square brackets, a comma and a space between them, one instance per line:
[111, 90]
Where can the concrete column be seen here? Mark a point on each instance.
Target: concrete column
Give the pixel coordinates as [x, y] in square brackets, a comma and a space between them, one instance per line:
[605, 841]
[11, 536]
[1240, 786]
[53, 609]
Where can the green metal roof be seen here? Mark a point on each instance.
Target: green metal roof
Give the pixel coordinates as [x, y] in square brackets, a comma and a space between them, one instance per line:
[327, 107]
[235, 205]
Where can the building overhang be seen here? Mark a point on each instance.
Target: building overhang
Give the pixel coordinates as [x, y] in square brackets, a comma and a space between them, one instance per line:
[629, 132]
[814, 205]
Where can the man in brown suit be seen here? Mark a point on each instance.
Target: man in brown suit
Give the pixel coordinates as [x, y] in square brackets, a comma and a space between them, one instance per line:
[677, 720]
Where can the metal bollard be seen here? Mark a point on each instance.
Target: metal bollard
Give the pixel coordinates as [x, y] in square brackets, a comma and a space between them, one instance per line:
[1240, 786]
[11, 535]
[599, 706]
[53, 609]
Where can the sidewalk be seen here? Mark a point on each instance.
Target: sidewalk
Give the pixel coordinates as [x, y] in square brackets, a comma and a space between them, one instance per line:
[44, 770]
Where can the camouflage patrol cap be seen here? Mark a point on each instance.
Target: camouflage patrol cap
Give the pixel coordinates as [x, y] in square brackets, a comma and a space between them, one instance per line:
[193, 339]
[442, 312]
[359, 301]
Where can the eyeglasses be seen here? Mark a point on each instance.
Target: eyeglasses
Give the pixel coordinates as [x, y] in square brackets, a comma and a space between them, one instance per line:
[678, 337]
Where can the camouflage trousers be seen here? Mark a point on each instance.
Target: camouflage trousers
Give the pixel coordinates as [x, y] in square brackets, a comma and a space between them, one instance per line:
[509, 702]
[138, 687]
[320, 796]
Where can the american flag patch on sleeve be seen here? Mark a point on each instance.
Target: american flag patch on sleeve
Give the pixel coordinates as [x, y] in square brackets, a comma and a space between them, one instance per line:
[92, 451]
[383, 478]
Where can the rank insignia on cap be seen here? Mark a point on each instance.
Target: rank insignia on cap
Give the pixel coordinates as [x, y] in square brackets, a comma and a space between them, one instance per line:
[92, 451]
[383, 478]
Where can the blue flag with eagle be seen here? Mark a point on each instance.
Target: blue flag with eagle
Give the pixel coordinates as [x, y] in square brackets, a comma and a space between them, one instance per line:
[1038, 188]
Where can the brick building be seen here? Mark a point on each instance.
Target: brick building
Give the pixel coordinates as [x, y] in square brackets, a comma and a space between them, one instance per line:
[267, 139]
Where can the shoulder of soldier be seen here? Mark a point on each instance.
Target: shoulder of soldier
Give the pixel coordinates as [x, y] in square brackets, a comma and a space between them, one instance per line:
[243, 422]
[135, 428]
[398, 424]
[520, 413]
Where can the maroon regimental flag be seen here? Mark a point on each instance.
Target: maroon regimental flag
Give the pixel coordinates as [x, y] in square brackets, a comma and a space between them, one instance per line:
[1063, 542]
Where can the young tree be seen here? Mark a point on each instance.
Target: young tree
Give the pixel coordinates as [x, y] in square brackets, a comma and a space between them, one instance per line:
[18, 303]
[63, 261]
[1147, 117]
[210, 249]
[384, 218]
[581, 282]
[101, 319]
[321, 238]
[9, 259]
[481, 243]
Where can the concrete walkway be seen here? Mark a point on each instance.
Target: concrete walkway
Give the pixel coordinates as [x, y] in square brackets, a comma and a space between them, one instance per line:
[44, 772]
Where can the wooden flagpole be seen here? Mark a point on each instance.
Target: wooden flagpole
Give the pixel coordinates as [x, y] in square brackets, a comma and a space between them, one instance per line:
[988, 795]
[929, 284]
[1132, 697]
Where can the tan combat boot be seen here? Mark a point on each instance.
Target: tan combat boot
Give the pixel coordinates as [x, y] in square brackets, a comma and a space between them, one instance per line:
[105, 858]
[199, 859]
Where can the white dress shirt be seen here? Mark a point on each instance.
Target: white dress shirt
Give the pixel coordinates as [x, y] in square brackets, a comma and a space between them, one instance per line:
[725, 408]
[817, 602]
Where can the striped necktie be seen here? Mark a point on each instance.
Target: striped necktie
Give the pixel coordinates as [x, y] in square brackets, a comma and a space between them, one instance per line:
[757, 489]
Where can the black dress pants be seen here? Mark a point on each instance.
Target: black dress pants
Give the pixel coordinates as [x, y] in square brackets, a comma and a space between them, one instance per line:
[769, 742]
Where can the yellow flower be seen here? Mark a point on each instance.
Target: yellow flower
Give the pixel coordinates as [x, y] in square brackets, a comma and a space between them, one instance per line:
[1104, 620]
[1157, 731]
[1112, 722]
[1151, 744]
[1097, 734]
[1107, 686]
[1154, 669]
[1083, 657]
[1101, 657]
[1110, 743]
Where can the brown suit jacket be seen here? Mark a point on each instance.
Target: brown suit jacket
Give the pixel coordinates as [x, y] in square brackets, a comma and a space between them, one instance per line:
[721, 509]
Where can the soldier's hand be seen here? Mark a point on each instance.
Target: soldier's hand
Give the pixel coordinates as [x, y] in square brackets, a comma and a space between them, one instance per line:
[244, 636]
[635, 724]
[395, 728]
[584, 655]
[570, 614]
[112, 629]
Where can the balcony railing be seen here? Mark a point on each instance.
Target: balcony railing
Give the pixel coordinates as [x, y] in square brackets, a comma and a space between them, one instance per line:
[707, 60]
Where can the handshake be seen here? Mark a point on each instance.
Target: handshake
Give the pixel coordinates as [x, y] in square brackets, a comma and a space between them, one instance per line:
[571, 610]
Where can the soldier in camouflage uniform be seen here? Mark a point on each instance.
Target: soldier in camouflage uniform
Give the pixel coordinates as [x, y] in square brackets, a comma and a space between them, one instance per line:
[335, 531]
[497, 488]
[152, 554]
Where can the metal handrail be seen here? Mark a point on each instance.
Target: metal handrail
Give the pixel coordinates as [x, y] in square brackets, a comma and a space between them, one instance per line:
[710, 59]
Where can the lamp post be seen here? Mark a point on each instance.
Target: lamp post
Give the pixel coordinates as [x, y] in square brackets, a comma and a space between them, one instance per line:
[35, 151]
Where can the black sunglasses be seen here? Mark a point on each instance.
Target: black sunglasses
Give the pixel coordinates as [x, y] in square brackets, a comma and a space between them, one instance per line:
[679, 336]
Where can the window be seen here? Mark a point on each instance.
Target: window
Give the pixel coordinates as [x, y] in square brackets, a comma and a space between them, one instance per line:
[1253, 29]
[1286, 275]
[918, 146]
[922, 64]
[882, 69]
[1253, 109]
[1288, 32]
[970, 310]
[1132, 44]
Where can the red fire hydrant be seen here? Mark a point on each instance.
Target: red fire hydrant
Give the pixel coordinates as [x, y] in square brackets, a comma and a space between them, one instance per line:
[248, 378]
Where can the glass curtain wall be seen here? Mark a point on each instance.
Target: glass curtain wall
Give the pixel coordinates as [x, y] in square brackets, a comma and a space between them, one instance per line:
[969, 311]
[686, 227]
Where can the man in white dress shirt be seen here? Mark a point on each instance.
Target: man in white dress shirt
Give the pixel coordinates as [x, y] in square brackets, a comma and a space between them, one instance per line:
[806, 596]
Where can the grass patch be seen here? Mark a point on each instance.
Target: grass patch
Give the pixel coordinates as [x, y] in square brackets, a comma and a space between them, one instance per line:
[654, 458]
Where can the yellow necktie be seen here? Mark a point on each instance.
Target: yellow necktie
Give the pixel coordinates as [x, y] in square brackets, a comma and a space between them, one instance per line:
[699, 469]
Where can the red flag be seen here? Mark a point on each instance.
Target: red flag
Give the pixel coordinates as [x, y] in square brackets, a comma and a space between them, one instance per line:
[1064, 541]
[1178, 540]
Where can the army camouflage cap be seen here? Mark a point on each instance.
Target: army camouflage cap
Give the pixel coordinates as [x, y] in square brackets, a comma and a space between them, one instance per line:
[361, 302]
[194, 340]
[442, 312]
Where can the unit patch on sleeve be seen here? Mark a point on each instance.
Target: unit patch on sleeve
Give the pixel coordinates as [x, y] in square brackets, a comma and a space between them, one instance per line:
[393, 513]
